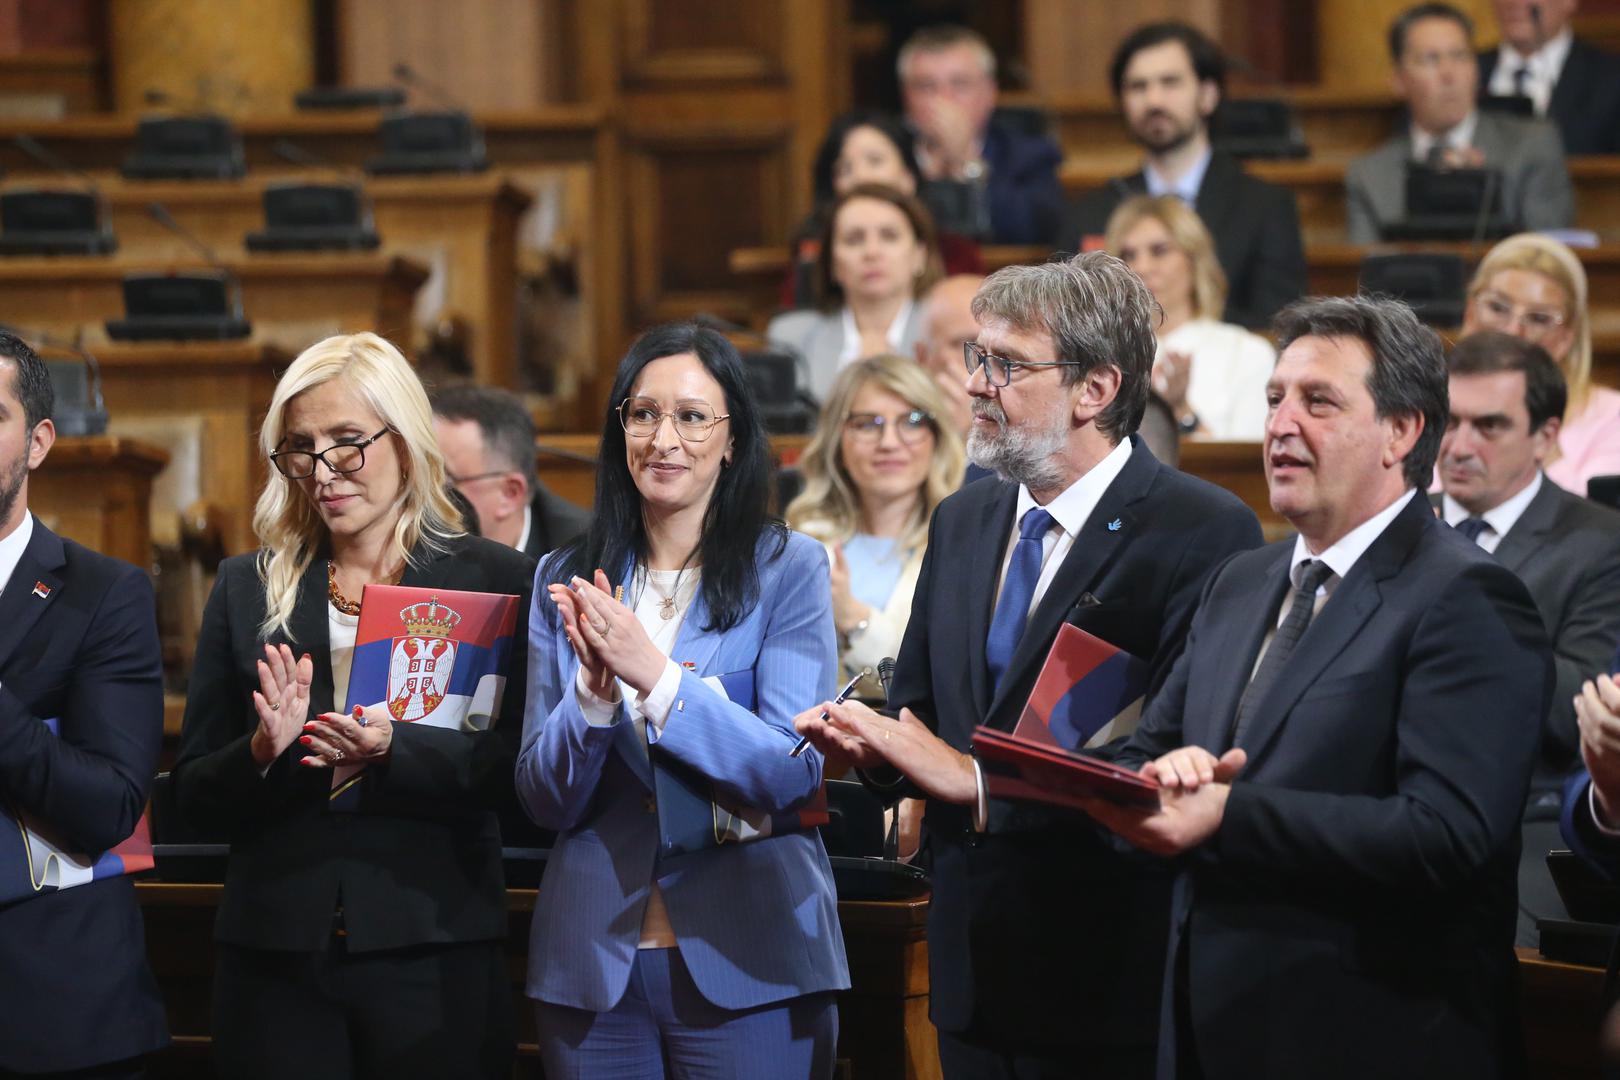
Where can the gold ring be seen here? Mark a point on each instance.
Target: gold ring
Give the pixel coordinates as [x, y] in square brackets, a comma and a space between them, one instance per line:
[337, 753]
[275, 704]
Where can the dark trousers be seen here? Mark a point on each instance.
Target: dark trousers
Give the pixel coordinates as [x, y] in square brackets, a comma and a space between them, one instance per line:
[972, 1056]
[437, 1012]
[128, 1069]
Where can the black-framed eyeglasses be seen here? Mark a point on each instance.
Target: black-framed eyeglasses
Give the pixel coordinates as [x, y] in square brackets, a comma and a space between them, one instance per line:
[910, 427]
[694, 421]
[343, 457]
[998, 369]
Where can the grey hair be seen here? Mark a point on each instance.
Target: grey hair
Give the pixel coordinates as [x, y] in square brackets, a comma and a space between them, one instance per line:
[944, 36]
[1408, 374]
[1098, 313]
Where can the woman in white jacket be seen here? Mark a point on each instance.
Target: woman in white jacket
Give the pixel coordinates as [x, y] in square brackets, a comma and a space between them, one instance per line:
[1212, 374]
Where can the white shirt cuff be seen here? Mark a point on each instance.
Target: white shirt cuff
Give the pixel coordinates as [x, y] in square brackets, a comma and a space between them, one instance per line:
[981, 802]
[656, 705]
[1597, 812]
[598, 713]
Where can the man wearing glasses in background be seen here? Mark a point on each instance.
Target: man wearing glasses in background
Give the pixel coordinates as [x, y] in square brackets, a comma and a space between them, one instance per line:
[1046, 947]
[487, 438]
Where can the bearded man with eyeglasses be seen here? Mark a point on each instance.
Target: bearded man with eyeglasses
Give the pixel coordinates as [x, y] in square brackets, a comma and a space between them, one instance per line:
[1046, 947]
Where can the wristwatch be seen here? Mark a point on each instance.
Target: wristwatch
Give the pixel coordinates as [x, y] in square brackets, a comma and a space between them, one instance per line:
[859, 628]
[1188, 424]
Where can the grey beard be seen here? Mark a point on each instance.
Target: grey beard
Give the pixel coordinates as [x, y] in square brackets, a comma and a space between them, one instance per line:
[1018, 455]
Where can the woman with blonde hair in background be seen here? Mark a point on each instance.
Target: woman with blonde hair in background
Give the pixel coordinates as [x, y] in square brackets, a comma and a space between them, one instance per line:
[1211, 374]
[880, 462]
[1534, 288]
[365, 943]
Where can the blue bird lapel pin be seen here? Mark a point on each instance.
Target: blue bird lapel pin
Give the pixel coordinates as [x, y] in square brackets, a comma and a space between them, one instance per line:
[1116, 525]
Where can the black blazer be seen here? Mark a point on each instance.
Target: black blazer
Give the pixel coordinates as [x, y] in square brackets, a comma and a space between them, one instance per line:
[77, 991]
[419, 861]
[1354, 914]
[1039, 932]
[1585, 100]
[553, 522]
[1255, 226]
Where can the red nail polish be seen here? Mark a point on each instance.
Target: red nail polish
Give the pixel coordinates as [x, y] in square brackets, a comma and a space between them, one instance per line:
[305, 739]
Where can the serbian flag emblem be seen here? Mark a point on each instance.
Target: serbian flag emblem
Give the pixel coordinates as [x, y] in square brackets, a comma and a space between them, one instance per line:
[430, 656]
[1088, 693]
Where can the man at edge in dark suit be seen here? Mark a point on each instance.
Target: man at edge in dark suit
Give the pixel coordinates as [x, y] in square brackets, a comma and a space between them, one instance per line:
[1574, 84]
[1507, 403]
[1169, 78]
[78, 645]
[487, 438]
[1345, 744]
[1045, 946]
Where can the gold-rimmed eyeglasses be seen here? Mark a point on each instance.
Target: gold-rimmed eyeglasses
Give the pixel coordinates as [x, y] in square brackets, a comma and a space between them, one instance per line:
[1497, 311]
[694, 421]
[910, 427]
[343, 457]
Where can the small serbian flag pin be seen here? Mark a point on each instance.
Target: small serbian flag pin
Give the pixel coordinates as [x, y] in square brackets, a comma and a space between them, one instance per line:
[41, 589]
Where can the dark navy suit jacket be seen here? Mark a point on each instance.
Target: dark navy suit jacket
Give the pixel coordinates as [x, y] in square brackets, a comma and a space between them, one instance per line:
[76, 990]
[1585, 101]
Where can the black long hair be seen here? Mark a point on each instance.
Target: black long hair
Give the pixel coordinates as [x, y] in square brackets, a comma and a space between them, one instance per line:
[738, 514]
[832, 144]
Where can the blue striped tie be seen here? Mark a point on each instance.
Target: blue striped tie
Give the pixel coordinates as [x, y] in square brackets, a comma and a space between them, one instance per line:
[1012, 610]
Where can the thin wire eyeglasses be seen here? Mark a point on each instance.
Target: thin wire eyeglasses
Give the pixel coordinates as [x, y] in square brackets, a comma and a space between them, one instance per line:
[642, 417]
[998, 369]
[341, 458]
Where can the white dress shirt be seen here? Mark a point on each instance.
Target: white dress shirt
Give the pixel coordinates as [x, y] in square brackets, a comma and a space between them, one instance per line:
[1344, 552]
[12, 548]
[896, 334]
[1184, 188]
[1498, 520]
[1541, 68]
[528, 523]
[1460, 137]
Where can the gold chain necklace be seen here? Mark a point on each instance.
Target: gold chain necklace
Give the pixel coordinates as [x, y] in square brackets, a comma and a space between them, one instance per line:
[342, 603]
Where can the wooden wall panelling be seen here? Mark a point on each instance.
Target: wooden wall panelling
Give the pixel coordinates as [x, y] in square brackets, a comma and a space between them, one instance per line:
[1068, 43]
[236, 57]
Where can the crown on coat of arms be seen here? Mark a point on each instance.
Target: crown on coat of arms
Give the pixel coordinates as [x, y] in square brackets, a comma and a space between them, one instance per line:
[429, 618]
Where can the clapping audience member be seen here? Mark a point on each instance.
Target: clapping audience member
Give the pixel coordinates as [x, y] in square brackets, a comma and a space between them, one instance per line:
[1533, 287]
[867, 147]
[1169, 79]
[711, 960]
[947, 321]
[1435, 72]
[1000, 182]
[1210, 373]
[1568, 81]
[364, 943]
[878, 257]
[879, 463]
[1507, 402]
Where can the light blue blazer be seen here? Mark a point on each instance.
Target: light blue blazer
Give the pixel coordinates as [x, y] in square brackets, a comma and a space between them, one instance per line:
[756, 922]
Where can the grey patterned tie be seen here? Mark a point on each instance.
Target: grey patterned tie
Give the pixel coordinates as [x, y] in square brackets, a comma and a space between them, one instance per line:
[1312, 574]
[1472, 527]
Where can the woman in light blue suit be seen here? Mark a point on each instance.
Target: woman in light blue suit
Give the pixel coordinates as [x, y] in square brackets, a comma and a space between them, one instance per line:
[672, 646]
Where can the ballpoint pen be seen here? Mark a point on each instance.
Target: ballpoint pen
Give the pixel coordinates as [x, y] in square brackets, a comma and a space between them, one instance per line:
[849, 688]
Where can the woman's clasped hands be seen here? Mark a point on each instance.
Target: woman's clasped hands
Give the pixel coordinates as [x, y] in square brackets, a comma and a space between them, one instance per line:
[282, 705]
[606, 636]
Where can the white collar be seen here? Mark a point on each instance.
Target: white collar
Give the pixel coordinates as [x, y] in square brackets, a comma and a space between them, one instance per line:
[528, 523]
[13, 546]
[1074, 505]
[1546, 62]
[1501, 517]
[1458, 138]
[1186, 187]
[1342, 555]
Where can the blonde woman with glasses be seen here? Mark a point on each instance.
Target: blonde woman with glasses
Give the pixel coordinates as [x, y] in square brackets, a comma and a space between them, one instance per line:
[1534, 288]
[364, 943]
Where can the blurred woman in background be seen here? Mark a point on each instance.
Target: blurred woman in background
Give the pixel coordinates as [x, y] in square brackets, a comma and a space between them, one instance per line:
[878, 257]
[1533, 287]
[1211, 374]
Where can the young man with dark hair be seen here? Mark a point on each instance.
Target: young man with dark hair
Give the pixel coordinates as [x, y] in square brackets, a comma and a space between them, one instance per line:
[1169, 80]
[1507, 404]
[1431, 45]
[81, 722]
[487, 438]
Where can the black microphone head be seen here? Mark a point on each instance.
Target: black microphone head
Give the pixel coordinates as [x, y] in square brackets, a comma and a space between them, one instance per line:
[885, 672]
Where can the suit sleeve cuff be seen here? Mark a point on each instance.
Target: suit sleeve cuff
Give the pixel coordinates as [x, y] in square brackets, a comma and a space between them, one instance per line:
[981, 799]
[1598, 820]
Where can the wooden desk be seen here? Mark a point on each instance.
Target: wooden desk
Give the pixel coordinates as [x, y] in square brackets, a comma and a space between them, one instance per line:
[97, 491]
[1333, 269]
[228, 385]
[1561, 1012]
[884, 1030]
[1318, 185]
[465, 224]
[290, 299]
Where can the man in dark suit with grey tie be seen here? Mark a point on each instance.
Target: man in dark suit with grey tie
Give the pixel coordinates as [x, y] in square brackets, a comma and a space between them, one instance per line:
[1045, 946]
[1568, 81]
[1507, 403]
[1344, 746]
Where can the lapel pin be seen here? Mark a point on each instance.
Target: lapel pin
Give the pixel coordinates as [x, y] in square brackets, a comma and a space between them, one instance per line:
[1116, 525]
[41, 590]
[689, 665]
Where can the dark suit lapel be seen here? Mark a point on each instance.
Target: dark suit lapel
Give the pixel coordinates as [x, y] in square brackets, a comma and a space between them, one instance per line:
[34, 586]
[1241, 636]
[1095, 548]
[983, 575]
[1341, 618]
[1573, 85]
[1526, 536]
[310, 631]
[1217, 190]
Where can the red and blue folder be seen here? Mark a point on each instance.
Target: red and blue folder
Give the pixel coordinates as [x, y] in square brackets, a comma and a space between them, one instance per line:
[1089, 692]
[693, 816]
[430, 656]
[33, 860]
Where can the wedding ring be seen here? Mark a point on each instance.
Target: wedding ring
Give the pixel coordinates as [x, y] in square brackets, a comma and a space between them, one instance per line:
[337, 753]
[601, 629]
[275, 705]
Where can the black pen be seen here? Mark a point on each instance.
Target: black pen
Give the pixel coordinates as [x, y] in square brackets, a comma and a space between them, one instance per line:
[849, 688]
